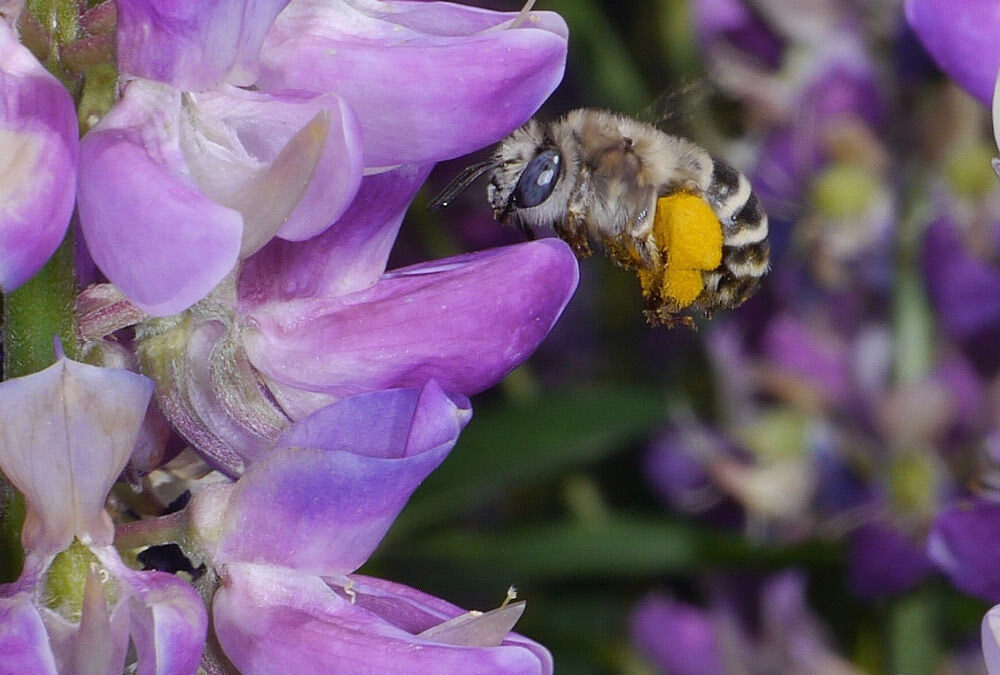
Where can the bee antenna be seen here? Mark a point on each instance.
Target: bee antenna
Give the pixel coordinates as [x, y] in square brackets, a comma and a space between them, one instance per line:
[461, 183]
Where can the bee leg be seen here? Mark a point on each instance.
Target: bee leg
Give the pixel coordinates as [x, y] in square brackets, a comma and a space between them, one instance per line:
[574, 236]
[659, 316]
[528, 233]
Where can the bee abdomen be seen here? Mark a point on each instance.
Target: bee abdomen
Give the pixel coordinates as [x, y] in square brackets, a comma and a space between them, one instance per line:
[746, 261]
[734, 202]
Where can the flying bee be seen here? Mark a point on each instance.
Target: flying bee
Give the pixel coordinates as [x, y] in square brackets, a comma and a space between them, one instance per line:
[688, 224]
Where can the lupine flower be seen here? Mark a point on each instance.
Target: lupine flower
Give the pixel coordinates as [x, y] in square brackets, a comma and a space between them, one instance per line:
[785, 637]
[214, 171]
[312, 323]
[65, 436]
[211, 174]
[961, 35]
[39, 146]
[285, 538]
[423, 78]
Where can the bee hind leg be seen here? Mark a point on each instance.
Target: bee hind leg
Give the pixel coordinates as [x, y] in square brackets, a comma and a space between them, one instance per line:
[658, 316]
[575, 237]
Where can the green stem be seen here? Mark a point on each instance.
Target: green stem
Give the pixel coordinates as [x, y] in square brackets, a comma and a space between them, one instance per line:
[39, 310]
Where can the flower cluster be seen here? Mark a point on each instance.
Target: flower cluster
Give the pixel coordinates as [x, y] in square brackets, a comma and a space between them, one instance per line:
[238, 195]
[839, 412]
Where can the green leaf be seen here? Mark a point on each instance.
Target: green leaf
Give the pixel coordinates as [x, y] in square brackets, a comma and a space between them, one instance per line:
[620, 545]
[616, 546]
[531, 441]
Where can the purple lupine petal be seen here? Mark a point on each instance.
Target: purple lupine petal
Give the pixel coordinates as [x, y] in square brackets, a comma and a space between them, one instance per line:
[963, 545]
[679, 638]
[424, 78]
[193, 46]
[995, 116]
[208, 179]
[311, 147]
[465, 322]
[152, 231]
[413, 610]
[65, 434]
[477, 629]
[24, 641]
[348, 256]
[271, 620]
[167, 618]
[326, 495]
[961, 35]
[39, 150]
[991, 640]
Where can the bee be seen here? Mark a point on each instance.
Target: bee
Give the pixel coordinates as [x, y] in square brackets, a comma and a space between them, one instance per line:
[687, 223]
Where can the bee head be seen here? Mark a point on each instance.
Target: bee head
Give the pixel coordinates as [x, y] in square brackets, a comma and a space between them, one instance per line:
[528, 182]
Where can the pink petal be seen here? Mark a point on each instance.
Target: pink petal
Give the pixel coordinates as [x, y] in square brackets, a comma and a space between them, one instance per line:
[24, 642]
[65, 434]
[271, 620]
[39, 150]
[323, 499]
[149, 227]
[465, 322]
[346, 257]
[429, 80]
[193, 45]
[168, 622]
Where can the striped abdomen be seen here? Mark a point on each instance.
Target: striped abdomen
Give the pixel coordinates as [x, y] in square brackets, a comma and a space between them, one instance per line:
[745, 249]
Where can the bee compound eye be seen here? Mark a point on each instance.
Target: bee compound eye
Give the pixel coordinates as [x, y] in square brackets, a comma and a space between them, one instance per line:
[538, 179]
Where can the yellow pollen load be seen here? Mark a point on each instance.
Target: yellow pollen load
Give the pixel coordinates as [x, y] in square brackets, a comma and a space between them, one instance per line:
[688, 235]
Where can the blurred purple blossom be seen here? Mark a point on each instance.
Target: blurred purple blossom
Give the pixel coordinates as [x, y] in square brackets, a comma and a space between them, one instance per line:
[963, 544]
[39, 146]
[679, 638]
[817, 428]
[67, 434]
[781, 635]
[882, 561]
[285, 538]
[965, 292]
